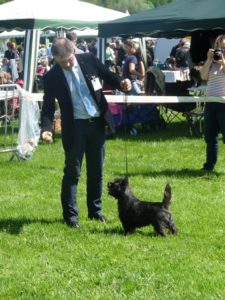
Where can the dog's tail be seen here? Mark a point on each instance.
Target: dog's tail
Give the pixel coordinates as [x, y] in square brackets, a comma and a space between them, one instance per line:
[167, 196]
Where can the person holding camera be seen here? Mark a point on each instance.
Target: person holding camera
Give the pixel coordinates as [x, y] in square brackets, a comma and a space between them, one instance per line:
[213, 71]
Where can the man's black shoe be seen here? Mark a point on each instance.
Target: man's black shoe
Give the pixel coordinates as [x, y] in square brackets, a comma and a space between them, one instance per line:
[73, 224]
[100, 218]
[207, 168]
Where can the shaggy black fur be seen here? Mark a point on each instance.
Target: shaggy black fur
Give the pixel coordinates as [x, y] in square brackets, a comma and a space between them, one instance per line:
[134, 213]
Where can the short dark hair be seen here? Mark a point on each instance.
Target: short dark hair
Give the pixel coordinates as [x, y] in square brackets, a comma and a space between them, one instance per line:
[62, 47]
[72, 36]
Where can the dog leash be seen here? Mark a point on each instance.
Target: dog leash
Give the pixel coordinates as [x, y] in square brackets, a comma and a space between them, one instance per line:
[125, 98]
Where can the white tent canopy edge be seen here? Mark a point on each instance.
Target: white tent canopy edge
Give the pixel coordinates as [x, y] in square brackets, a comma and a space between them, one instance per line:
[38, 15]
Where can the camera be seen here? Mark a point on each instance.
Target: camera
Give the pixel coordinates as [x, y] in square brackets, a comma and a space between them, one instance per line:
[217, 54]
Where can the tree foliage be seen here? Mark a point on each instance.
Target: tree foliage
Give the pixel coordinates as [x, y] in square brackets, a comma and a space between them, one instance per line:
[3, 1]
[159, 2]
[128, 5]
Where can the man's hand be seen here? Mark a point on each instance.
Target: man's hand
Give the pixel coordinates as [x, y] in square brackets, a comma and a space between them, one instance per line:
[125, 85]
[47, 137]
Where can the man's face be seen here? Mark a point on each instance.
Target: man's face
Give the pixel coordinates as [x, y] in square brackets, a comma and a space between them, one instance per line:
[65, 63]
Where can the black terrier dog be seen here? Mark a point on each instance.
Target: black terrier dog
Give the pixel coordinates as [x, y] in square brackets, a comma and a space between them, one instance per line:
[134, 213]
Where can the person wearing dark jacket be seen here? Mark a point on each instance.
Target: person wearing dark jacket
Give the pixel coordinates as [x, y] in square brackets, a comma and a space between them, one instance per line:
[75, 82]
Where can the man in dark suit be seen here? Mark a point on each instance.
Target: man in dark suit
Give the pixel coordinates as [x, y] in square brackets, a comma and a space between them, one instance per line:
[75, 82]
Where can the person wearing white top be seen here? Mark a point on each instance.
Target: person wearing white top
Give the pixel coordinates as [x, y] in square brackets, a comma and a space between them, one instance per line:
[213, 71]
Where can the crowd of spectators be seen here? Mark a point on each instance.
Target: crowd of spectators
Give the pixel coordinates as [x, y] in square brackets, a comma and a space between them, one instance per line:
[12, 59]
[115, 57]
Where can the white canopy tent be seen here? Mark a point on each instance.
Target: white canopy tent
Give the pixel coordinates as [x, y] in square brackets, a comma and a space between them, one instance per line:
[17, 34]
[12, 34]
[36, 15]
[87, 32]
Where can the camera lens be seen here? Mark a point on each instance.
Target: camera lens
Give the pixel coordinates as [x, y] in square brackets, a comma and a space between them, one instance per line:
[217, 54]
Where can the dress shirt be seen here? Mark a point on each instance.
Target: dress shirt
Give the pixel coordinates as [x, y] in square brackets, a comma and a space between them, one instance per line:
[84, 105]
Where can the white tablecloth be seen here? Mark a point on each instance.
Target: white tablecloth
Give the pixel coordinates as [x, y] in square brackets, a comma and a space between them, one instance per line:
[172, 76]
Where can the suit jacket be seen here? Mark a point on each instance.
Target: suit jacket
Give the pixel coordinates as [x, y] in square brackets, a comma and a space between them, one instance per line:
[56, 87]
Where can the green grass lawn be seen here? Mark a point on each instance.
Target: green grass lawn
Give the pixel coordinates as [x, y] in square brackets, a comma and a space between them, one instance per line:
[41, 258]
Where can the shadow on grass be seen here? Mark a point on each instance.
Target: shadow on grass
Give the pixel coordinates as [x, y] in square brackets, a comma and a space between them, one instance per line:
[173, 131]
[120, 231]
[107, 231]
[15, 226]
[182, 173]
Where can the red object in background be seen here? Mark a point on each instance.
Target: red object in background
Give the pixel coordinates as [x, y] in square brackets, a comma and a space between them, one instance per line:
[41, 70]
[19, 82]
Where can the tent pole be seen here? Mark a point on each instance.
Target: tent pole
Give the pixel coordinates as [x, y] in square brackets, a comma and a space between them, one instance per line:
[32, 40]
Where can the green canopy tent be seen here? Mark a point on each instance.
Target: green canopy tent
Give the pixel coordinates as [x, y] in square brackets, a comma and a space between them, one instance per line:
[175, 19]
[36, 15]
[198, 18]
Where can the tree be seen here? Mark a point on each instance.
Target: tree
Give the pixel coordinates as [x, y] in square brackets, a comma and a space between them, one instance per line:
[3, 1]
[156, 3]
[130, 6]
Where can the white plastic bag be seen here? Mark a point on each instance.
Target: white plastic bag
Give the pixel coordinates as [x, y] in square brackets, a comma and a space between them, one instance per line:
[29, 131]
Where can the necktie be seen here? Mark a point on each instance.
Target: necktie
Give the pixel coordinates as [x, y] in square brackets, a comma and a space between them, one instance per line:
[83, 93]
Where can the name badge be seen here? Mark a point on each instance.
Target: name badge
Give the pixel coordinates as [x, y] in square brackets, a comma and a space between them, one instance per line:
[96, 84]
